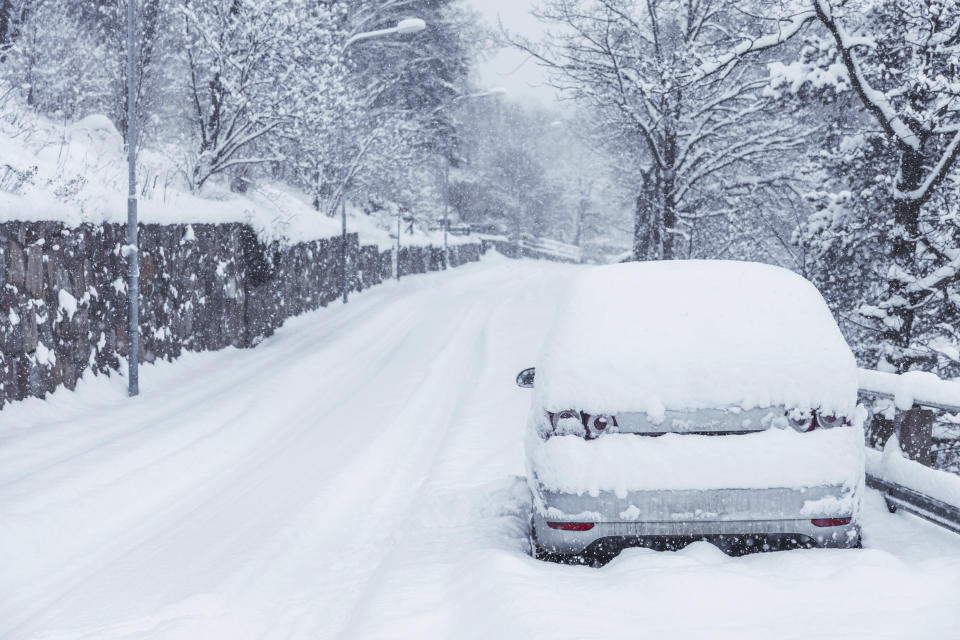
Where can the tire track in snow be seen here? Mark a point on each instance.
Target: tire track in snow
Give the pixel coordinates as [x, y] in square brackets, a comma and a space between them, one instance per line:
[384, 326]
[182, 401]
[465, 500]
[405, 312]
[452, 417]
[378, 485]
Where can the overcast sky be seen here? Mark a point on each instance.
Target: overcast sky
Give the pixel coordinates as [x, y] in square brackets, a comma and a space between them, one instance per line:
[521, 77]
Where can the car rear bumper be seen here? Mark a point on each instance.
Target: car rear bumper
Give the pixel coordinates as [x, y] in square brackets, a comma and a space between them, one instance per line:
[639, 516]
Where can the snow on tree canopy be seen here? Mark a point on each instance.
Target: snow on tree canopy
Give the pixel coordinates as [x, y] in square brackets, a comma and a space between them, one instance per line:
[680, 335]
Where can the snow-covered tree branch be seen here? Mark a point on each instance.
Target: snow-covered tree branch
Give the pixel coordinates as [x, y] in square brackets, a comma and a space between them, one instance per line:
[641, 68]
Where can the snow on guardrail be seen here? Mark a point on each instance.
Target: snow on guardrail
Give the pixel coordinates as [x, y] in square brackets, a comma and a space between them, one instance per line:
[534, 247]
[915, 387]
[891, 465]
[929, 493]
[552, 247]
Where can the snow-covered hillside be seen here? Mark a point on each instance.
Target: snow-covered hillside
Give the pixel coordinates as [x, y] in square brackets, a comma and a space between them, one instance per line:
[77, 172]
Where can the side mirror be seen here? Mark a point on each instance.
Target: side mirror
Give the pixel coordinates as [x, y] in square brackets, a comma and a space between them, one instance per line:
[525, 378]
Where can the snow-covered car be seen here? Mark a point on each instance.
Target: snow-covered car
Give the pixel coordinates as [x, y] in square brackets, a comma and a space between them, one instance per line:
[687, 400]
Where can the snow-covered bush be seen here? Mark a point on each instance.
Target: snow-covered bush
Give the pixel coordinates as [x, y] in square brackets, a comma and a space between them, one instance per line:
[55, 65]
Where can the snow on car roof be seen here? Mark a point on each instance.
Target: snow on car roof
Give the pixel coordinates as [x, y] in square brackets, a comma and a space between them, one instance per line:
[652, 336]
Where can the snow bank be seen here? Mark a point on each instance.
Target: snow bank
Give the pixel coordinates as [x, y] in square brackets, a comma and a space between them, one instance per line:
[890, 465]
[776, 458]
[76, 173]
[911, 387]
[694, 334]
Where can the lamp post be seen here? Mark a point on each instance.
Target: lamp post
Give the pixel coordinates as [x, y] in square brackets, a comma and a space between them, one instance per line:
[446, 209]
[131, 250]
[404, 27]
[399, 226]
[495, 91]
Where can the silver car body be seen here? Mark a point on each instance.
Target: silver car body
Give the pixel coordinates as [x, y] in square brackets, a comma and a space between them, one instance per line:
[760, 518]
[689, 399]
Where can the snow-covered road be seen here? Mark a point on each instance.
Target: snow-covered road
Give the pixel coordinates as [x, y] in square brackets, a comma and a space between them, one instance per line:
[358, 476]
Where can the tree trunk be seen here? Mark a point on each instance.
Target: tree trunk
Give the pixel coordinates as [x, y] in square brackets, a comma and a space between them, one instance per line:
[906, 216]
[915, 432]
[669, 218]
[581, 211]
[644, 218]
[6, 27]
[667, 184]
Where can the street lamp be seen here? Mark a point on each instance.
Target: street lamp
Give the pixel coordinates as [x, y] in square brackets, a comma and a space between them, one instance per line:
[495, 91]
[131, 250]
[405, 27]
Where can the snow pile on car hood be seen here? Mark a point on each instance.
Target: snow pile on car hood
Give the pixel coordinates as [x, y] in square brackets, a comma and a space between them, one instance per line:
[694, 334]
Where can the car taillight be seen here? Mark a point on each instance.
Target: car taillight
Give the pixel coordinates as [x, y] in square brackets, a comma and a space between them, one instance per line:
[802, 421]
[831, 522]
[571, 526]
[599, 424]
[829, 421]
[568, 422]
[571, 422]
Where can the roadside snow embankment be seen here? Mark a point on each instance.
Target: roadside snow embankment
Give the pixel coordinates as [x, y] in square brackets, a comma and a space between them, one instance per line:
[76, 173]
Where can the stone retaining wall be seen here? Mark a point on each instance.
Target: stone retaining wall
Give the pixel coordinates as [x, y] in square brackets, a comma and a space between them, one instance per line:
[63, 300]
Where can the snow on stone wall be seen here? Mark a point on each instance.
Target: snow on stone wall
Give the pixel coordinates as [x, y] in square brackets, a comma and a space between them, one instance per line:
[63, 292]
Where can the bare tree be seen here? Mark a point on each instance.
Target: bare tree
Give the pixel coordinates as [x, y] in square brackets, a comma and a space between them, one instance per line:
[241, 61]
[701, 141]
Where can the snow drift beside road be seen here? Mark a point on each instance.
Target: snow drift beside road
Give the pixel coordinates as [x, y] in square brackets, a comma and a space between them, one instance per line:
[694, 334]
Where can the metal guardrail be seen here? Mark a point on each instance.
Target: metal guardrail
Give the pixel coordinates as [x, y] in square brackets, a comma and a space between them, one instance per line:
[551, 247]
[916, 396]
[900, 497]
[923, 389]
[534, 247]
[914, 425]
